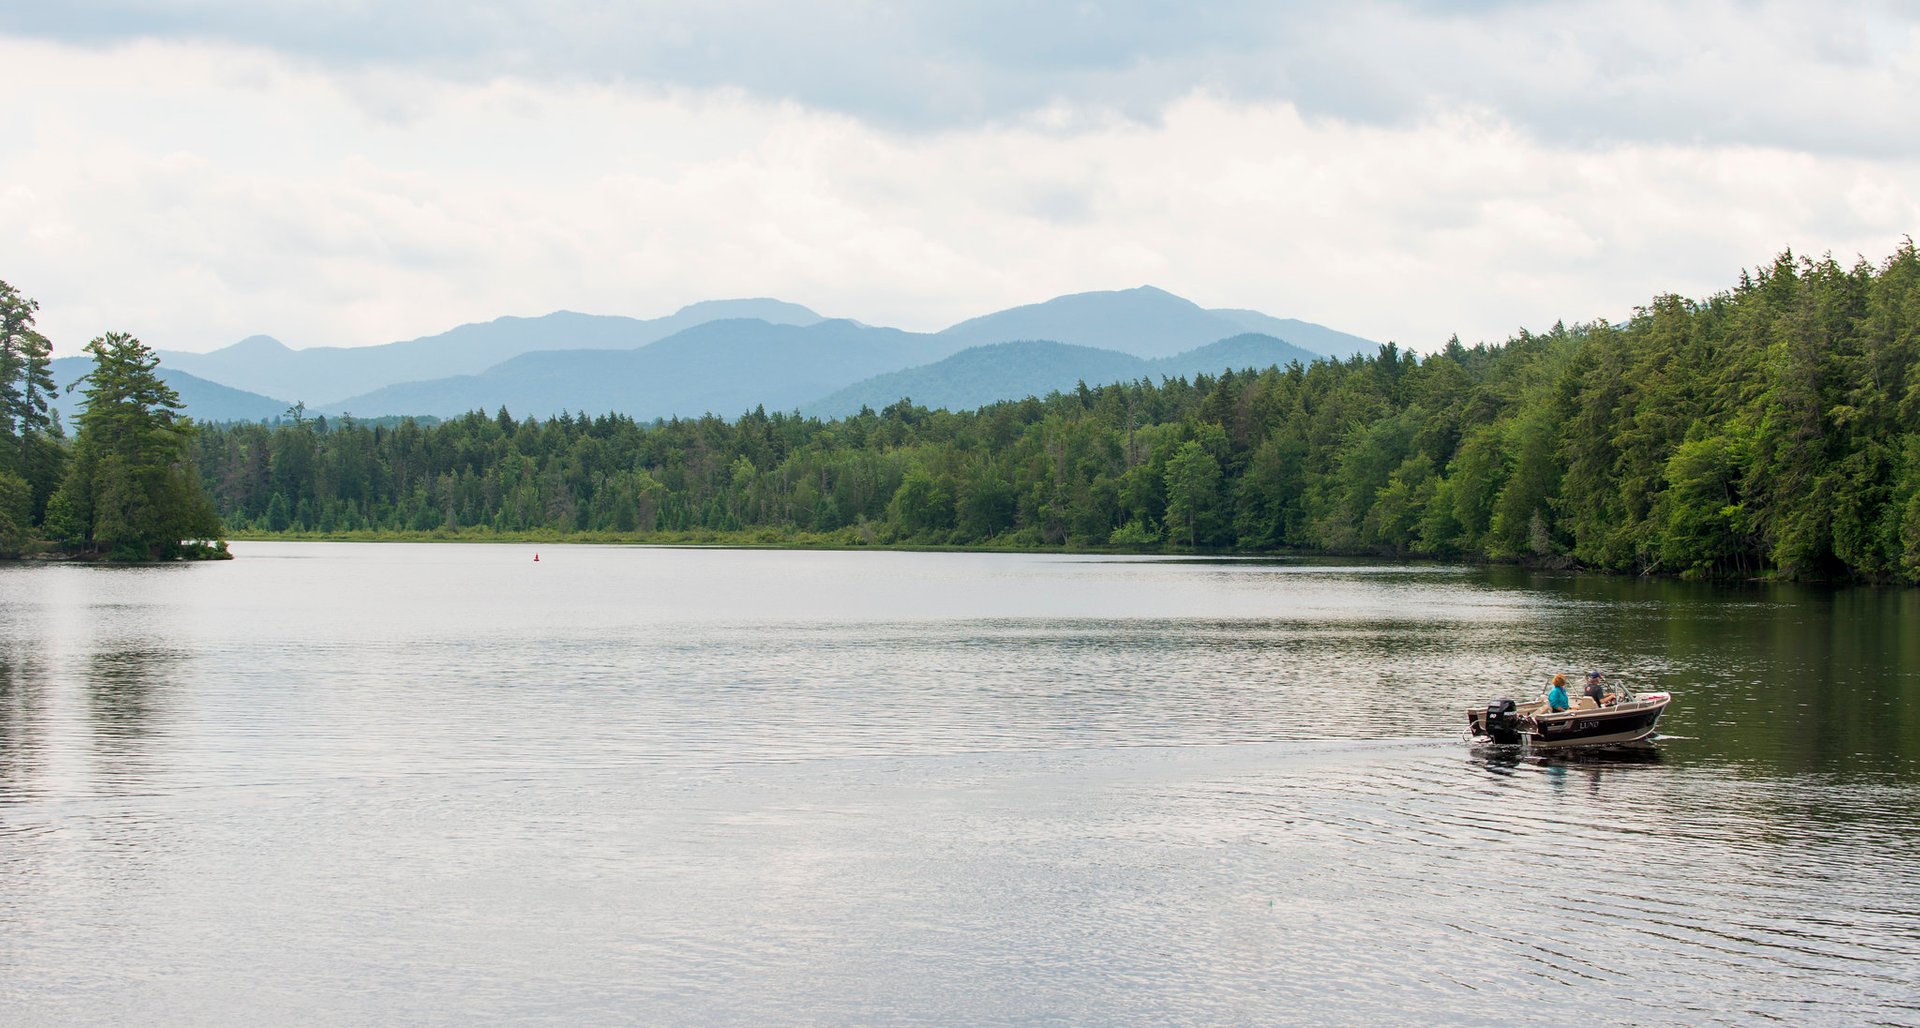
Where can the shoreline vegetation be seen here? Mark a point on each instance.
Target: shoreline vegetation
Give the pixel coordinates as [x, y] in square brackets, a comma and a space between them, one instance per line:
[737, 539]
[122, 490]
[1771, 431]
[846, 541]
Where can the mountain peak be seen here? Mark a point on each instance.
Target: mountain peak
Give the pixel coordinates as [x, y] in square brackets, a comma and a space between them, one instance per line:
[1155, 292]
[255, 345]
[1146, 293]
[1145, 321]
[759, 308]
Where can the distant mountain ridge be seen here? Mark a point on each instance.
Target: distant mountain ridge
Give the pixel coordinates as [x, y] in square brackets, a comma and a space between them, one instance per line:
[1146, 322]
[980, 375]
[723, 367]
[320, 375]
[1317, 339]
[729, 356]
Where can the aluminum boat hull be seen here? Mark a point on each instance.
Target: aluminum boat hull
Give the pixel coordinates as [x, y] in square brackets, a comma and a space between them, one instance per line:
[1532, 725]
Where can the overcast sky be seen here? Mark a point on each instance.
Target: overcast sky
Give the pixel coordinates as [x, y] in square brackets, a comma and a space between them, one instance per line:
[352, 173]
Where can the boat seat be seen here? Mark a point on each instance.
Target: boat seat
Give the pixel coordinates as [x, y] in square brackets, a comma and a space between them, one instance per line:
[1585, 703]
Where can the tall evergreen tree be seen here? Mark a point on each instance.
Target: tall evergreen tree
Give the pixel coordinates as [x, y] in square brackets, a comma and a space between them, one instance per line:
[26, 366]
[130, 491]
[30, 454]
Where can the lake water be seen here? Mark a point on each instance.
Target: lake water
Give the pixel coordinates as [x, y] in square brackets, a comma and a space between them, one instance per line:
[353, 783]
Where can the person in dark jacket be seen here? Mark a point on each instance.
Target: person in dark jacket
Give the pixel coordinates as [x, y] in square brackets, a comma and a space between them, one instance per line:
[1595, 689]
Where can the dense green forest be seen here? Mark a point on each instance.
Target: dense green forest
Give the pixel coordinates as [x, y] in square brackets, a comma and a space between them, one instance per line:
[123, 489]
[1771, 429]
[1774, 428]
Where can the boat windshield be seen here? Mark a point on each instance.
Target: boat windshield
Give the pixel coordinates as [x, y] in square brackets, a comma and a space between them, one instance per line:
[1615, 691]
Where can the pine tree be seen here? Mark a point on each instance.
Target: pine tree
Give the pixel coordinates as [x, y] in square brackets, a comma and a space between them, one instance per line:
[130, 491]
[31, 453]
[26, 373]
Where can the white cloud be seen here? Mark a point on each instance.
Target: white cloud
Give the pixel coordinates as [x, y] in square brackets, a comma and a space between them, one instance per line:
[1832, 77]
[197, 193]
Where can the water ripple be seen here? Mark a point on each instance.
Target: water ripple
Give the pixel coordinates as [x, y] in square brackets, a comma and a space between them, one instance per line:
[442, 783]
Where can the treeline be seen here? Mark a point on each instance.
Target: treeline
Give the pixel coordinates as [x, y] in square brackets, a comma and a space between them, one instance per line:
[1774, 428]
[123, 488]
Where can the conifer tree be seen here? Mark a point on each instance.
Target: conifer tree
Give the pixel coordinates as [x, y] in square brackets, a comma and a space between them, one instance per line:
[130, 491]
[30, 456]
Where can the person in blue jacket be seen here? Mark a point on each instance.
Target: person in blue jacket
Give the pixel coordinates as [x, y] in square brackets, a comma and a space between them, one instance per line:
[1557, 696]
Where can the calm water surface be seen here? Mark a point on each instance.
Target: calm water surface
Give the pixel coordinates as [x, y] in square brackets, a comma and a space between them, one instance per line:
[437, 783]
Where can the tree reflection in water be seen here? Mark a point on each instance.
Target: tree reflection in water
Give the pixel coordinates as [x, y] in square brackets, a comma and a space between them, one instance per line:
[127, 692]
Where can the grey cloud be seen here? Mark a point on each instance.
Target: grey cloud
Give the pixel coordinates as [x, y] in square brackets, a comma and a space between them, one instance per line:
[1830, 79]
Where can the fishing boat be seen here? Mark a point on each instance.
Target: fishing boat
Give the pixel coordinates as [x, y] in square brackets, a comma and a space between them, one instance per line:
[1622, 717]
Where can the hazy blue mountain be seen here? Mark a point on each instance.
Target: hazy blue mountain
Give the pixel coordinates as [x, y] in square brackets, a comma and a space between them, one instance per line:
[1304, 334]
[1145, 322]
[723, 367]
[732, 355]
[205, 401]
[1246, 350]
[323, 374]
[981, 375]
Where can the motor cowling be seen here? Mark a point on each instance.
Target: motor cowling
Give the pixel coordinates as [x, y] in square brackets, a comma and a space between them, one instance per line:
[1503, 722]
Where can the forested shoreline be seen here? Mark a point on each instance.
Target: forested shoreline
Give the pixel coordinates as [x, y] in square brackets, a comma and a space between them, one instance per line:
[122, 488]
[1773, 429]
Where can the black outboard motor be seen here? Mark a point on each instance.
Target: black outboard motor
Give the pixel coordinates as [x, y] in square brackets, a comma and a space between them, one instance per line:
[1503, 723]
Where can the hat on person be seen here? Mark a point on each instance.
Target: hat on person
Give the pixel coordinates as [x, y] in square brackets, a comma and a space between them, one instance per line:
[1593, 674]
